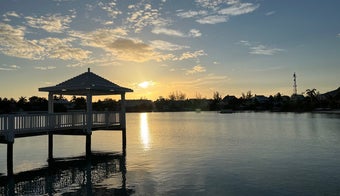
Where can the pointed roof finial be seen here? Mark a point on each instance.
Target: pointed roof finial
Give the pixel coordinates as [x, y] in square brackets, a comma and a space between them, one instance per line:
[88, 69]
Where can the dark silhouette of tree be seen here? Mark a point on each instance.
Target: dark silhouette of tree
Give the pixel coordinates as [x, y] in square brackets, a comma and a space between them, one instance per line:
[216, 103]
[79, 103]
[312, 99]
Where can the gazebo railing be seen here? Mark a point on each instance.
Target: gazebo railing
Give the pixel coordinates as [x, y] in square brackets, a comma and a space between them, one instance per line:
[31, 123]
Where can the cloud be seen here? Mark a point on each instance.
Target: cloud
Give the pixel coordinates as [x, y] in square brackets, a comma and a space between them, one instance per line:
[264, 50]
[13, 43]
[165, 31]
[215, 4]
[212, 19]
[270, 13]
[115, 43]
[191, 14]
[167, 46]
[260, 49]
[45, 68]
[239, 9]
[51, 23]
[203, 80]
[110, 8]
[62, 49]
[189, 55]
[10, 14]
[215, 13]
[245, 43]
[142, 15]
[196, 69]
[5, 67]
[176, 33]
[194, 33]
[338, 35]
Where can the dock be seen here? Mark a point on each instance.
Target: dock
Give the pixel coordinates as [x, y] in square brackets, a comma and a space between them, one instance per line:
[88, 84]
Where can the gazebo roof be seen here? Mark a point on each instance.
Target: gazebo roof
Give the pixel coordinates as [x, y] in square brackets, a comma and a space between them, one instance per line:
[85, 83]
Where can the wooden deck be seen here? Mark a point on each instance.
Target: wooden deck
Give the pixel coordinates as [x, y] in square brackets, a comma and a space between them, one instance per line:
[74, 123]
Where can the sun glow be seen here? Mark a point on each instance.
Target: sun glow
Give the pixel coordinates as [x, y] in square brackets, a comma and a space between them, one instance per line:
[146, 84]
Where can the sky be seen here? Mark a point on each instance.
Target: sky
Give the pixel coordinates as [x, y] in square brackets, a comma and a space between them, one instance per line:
[158, 47]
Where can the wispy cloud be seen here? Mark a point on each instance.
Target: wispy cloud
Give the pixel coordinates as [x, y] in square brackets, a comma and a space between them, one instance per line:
[194, 33]
[45, 68]
[270, 13]
[239, 9]
[260, 49]
[203, 80]
[190, 55]
[213, 19]
[5, 67]
[55, 23]
[264, 50]
[215, 12]
[167, 46]
[176, 33]
[338, 35]
[191, 14]
[9, 14]
[196, 69]
[166, 31]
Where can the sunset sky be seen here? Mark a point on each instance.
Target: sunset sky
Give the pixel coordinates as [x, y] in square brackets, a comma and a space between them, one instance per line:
[157, 47]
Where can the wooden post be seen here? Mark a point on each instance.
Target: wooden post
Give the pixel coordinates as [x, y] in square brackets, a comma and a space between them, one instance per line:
[10, 159]
[122, 117]
[50, 147]
[50, 103]
[89, 113]
[88, 145]
[124, 141]
[51, 126]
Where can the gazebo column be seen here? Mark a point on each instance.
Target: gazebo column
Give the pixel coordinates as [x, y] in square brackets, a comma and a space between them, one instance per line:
[51, 125]
[123, 119]
[88, 122]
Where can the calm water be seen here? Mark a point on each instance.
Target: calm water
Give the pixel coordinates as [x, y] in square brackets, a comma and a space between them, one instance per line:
[189, 154]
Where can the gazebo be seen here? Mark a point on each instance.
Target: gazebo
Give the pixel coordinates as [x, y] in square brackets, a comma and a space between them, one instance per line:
[87, 84]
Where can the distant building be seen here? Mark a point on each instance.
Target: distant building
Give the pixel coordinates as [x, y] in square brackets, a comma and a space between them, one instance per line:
[297, 97]
[261, 99]
[229, 98]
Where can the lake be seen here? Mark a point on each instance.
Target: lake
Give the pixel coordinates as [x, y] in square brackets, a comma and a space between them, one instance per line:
[187, 153]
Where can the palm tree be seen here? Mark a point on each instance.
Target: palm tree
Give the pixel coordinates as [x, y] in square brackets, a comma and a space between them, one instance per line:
[313, 96]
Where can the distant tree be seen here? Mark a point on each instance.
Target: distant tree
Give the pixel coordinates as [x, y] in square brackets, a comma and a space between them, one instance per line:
[79, 103]
[216, 102]
[312, 98]
[178, 95]
[22, 103]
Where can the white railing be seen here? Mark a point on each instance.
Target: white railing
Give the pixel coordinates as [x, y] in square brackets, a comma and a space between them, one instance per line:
[31, 123]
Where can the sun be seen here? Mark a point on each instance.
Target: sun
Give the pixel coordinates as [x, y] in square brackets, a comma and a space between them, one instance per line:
[145, 84]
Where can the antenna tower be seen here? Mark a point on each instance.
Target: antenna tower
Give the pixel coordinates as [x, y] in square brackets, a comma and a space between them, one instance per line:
[295, 86]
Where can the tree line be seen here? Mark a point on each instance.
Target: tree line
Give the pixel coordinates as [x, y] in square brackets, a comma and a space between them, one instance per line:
[177, 101]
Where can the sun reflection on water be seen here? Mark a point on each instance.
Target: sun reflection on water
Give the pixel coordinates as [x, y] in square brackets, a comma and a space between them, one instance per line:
[144, 131]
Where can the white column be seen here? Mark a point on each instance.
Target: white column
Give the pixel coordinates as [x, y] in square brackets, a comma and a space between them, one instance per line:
[89, 112]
